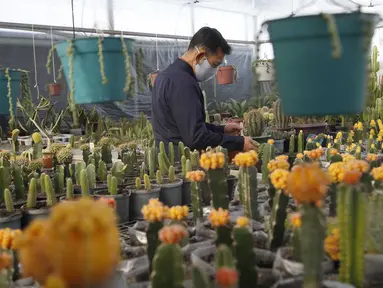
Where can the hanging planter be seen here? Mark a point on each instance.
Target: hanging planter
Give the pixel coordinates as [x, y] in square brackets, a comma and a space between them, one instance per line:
[54, 89]
[97, 69]
[9, 86]
[226, 75]
[264, 70]
[152, 78]
[321, 62]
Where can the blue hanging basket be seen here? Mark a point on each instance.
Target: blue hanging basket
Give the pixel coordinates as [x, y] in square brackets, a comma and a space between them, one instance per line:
[312, 80]
[15, 76]
[86, 75]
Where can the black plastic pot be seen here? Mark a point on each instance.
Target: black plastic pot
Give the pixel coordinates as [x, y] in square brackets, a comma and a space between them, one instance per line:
[122, 201]
[186, 192]
[31, 214]
[12, 221]
[139, 198]
[171, 193]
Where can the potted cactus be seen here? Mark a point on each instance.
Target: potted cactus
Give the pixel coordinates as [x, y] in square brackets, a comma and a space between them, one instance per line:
[171, 188]
[254, 125]
[140, 195]
[9, 218]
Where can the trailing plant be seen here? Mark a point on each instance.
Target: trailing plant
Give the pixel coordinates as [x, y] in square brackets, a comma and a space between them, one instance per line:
[140, 70]
[130, 86]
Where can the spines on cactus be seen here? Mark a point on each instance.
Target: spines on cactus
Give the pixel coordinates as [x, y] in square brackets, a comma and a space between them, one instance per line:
[300, 142]
[8, 201]
[194, 158]
[183, 166]
[172, 174]
[281, 120]
[102, 171]
[254, 123]
[138, 183]
[59, 180]
[147, 184]
[152, 161]
[69, 189]
[248, 191]
[181, 149]
[161, 164]
[15, 142]
[217, 179]
[84, 183]
[113, 188]
[37, 146]
[91, 175]
[159, 178]
[187, 152]
[51, 196]
[171, 153]
[32, 194]
[278, 220]
[164, 155]
[79, 166]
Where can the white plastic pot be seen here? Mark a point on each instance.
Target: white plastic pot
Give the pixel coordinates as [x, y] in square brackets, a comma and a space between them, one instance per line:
[265, 71]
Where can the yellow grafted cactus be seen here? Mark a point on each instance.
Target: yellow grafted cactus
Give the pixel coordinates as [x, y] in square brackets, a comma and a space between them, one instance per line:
[331, 244]
[371, 157]
[377, 173]
[270, 141]
[5, 261]
[242, 221]
[314, 154]
[334, 151]
[339, 135]
[357, 165]
[7, 238]
[54, 281]
[282, 157]
[172, 234]
[372, 132]
[155, 211]
[278, 164]
[336, 172]
[308, 183]
[296, 220]
[247, 159]
[195, 176]
[359, 126]
[219, 218]
[348, 157]
[36, 137]
[212, 160]
[300, 155]
[278, 179]
[372, 123]
[178, 212]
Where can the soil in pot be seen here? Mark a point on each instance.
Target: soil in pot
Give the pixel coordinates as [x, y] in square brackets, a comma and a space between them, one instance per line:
[139, 198]
[171, 193]
[10, 220]
[40, 211]
[122, 200]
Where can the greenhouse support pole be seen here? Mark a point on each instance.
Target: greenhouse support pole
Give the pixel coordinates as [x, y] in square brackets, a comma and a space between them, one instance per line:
[255, 32]
[110, 15]
[192, 19]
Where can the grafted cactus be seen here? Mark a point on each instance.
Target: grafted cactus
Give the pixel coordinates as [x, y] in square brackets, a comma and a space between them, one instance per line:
[278, 220]
[248, 191]
[268, 154]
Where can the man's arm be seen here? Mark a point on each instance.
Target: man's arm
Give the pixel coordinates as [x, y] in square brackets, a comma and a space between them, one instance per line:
[216, 128]
[188, 114]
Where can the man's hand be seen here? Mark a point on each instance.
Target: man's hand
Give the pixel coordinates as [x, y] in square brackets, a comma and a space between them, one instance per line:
[233, 129]
[249, 144]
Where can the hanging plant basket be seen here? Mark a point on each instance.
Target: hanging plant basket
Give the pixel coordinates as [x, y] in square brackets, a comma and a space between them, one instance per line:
[321, 62]
[54, 89]
[152, 78]
[14, 79]
[96, 70]
[226, 75]
[264, 70]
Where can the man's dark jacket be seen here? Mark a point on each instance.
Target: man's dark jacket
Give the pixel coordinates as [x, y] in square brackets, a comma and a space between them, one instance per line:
[178, 112]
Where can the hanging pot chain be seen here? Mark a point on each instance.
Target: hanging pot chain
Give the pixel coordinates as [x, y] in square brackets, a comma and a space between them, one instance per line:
[35, 64]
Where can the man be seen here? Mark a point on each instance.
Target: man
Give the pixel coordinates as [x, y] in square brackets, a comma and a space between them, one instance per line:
[178, 112]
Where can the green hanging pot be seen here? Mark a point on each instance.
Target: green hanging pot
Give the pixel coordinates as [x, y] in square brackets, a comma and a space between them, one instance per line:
[14, 81]
[321, 62]
[96, 72]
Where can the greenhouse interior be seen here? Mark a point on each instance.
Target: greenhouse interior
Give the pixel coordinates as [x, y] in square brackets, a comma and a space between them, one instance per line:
[141, 139]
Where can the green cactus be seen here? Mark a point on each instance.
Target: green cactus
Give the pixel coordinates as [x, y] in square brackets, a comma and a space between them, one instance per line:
[246, 264]
[200, 279]
[159, 178]
[91, 175]
[187, 152]
[84, 183]
[113, 188]
[352, 220]
[196, 202]
[168, 267]
[268, 153]
[224, 257]
[223, 236]
[8, 201]
[106, 154]
[217, 118]
[118, 171]
[102, 171]
[15, 142]
[161, 163]
[164, 155]
[137, 183]
[311, 146]
[85, 148]
[127, 159]
[296, 243]
[32, 194]
[194, 159]
[42, 182]
[79, 166]
[18, 180]
[142, 169]
[59, 180]
[2, 182]
[152, 162]
[51, 196]
[37, 150]
[153, 241]
[171, 153]
[69, 189]
[147, 184]
[217, 180]
[300, 142]
[172, 174]
[336, 158]
[278, 220]
[183, 166]
[370, 141]
[248, 191]
[254, 123]
[181, 149]
[292, 145]
[281, 120]
[358, 153]
[109, 182]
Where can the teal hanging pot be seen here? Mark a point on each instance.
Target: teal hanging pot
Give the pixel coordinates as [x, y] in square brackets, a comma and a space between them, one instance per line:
[12, 79]
[96, 70]
[321, 62]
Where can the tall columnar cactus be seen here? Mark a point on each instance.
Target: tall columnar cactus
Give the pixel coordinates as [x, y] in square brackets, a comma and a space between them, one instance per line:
[69, 189]
[172, 174]
[300, 142]
[248, 191]
[246, 264]
[32, 194]
[278, 220]
[42, 182]
[102, 171]
[152, 240]
[194, 159]
[254, 123]
[91, 174]
[292, 145]
[181, 149]
[18, 181]
[109, 182]
[199, 277]
[164, 155]
[106, 153]
[268, 154]
[79, 166]
[171, 153]
[187, 152]
[118, 171]
[15, 142]
[152, 161]
[161, 164]
[2, 182]
[217, 179]
[370, 141]
[281, 120]
[51, 195]
[183, 166]
[8, 201]
[84, 183]
[71, 141]
[59, 180]
[351, 218]
[196, 202]
[113, 186]
[224, 257]
[159, 178]
[37, 146]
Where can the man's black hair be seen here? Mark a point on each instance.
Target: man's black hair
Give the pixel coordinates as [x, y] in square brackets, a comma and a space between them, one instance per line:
[211, 39]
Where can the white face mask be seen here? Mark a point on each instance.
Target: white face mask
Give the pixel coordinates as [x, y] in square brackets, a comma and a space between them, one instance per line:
[204, 71]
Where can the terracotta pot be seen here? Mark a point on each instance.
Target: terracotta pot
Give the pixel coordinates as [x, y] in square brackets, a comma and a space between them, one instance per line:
[153, 77]
[54, 89]
[226, 75]
[48, 160]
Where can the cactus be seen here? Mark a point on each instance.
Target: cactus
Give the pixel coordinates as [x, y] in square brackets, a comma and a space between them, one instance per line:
[113, 189]
[42, 182]
[147, 184]
[246, 264]
[370, 141]
[142, 169]
[37, 147]
[59, 180]
[183, 166]
[200, 279]
[217, 118]
[127, 159]
[196, 202]
[358, 153]
[102, 171]
[153, 241]
[106, 154]
[168, 268]
[311, 146]
[268, 153]
[152, 162]
[292, 145]
[218, 186]
[224, 257]
[137, 183]
[118, 171]
[91, 175]
[84, 183]
[281, 120]
[300, 142]
[194, 159]
[172, 174]
[19, 182]
[352, 220]
[171, 153]
[164, 155]
[187, 152]
[248, 191]
[79, 166]
[253, 125]
[51, 196]
[109, 182]
[336, 158]
[8, 201]
[278, 220]
[15, 142]
[161, 163]
[181, 149]
[159, 178]
[2, 182]
[69, 189]
[32, 194]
